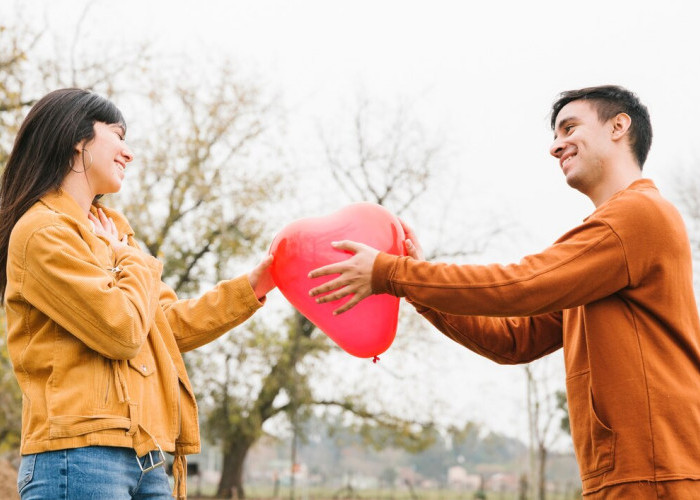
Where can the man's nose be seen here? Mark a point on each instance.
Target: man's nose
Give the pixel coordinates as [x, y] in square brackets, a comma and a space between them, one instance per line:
[556, 149]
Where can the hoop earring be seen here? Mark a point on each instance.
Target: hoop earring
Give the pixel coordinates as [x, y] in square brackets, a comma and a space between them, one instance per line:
[74, 170]
[85, 167]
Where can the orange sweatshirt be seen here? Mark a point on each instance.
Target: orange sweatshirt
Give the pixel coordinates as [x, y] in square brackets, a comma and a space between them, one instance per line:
[616, 292]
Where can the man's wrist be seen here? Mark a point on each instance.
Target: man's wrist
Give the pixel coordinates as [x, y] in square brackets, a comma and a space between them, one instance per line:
[382, 270]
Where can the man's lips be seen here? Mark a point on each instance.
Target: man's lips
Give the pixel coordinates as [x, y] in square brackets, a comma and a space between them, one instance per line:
[564, 160]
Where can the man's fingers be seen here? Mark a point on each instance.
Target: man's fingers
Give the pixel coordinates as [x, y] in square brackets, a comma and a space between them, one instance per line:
[327, 287]
[348, 305]
[336, 268]
[350, 246]
[335, 295]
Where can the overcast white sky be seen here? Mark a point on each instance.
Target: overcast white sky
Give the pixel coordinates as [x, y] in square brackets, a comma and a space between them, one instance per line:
[482, 73]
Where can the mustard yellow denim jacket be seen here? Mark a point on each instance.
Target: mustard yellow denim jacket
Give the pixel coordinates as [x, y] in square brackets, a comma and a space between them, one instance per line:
[95, 336]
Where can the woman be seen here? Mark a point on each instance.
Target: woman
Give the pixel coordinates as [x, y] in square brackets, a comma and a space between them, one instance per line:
[94, 335]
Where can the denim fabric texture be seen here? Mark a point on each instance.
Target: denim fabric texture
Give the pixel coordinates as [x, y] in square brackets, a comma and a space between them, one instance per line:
[92, 472]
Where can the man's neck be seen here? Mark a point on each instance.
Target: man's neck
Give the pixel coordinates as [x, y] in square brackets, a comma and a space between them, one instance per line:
[618, 178]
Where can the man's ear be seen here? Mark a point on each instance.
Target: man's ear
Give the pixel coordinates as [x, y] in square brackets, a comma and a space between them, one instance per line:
[621, 124]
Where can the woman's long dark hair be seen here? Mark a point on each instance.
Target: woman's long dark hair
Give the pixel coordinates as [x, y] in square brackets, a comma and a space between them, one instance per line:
[43, 151]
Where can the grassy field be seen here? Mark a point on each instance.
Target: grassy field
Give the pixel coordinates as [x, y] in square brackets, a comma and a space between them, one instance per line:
[326, 494]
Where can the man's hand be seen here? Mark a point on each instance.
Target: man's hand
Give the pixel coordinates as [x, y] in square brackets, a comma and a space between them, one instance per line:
[355, 276]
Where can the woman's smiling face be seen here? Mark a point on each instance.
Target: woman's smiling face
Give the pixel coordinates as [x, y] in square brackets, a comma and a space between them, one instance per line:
[104, 158]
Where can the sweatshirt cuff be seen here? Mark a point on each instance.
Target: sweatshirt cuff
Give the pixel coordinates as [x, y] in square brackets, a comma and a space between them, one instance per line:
[382, 271]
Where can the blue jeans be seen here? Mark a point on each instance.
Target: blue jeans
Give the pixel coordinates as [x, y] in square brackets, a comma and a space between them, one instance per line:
[92, 472]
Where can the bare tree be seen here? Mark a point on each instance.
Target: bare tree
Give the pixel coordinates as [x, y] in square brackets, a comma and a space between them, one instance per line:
[18, 41]
[199, 199]
[544, 421]
[384, 158]
[383, 154]
[199, 203]
[283, 363]
[687, 193]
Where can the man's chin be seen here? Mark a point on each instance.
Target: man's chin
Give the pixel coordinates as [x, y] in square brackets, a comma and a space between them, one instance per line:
[576, 183]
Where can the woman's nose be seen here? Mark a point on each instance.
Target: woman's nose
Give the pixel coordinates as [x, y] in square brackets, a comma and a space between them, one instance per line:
[127, 154]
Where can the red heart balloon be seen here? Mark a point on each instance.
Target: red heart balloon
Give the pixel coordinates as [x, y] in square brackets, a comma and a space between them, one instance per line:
[369, 328]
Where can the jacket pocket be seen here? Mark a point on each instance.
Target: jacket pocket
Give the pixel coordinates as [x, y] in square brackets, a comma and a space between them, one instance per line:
[154, 395]
[26, 471]
[594, 442]
[104, 381]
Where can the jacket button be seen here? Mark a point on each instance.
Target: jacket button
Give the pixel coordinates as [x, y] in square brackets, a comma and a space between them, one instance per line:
[143, 368]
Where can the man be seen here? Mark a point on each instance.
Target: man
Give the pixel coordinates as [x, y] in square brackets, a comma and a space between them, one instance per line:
[615, 292]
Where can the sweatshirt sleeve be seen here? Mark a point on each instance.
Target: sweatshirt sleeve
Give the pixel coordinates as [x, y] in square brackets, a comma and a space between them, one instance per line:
[110, 310]
[584, 265]
[198, 321]
[503, 340]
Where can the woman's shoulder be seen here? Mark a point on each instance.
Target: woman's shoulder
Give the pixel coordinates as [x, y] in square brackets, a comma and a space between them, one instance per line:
[40, 218]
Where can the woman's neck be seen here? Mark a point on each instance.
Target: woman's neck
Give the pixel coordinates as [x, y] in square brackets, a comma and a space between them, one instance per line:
[77, 187]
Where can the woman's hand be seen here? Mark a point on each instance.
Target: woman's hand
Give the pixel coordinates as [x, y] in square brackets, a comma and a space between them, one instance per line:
[260, 278]
[104, 226]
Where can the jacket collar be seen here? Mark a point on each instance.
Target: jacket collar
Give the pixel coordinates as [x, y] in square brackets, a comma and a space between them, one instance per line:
[60, 201]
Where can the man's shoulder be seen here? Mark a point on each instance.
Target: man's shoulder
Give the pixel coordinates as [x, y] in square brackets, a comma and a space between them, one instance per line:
[642, 201]
[643, 214]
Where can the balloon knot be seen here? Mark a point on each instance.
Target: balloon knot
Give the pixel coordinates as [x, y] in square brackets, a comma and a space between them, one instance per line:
[375, 359]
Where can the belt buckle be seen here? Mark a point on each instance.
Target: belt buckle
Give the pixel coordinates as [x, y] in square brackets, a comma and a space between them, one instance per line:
[150, 457]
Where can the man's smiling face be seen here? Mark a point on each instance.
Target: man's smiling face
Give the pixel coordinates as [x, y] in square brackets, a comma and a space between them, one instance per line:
[582, 144]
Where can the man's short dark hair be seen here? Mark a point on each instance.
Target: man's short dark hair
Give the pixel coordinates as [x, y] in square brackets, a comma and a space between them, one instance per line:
[609, 101]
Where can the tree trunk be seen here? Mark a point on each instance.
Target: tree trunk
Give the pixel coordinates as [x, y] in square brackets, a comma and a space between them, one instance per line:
[232, 469]
[542, 456]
